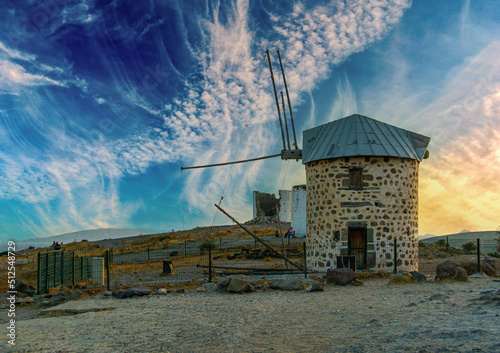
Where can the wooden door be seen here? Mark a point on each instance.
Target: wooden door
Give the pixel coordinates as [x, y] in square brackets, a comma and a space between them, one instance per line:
[357, 246]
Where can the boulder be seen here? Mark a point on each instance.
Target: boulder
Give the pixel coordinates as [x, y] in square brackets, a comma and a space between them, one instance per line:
[180, 290]
[107, 293]
[341, 276]
[140, 291]
[209, 286]
[20, 286]
[224, 282]
[238, 285]
[316, 287]
[461, 274]
[201, 289]
[488, 268]
[446, 269]
[162, 291]
[288, 284]
[122, 294]
[29, 292]
[417, 276]
[26, 300]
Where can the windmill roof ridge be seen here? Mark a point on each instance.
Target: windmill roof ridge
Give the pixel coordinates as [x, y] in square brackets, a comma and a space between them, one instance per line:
[359, 135]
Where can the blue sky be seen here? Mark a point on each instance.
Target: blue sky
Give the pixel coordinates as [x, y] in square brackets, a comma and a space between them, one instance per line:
[101, 102]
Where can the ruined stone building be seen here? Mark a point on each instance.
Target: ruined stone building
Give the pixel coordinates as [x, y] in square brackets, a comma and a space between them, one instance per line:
[362, 193]
[292, 206]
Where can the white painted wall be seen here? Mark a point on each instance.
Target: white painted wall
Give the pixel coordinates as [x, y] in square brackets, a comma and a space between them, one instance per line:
[299, 210]
[285, 205]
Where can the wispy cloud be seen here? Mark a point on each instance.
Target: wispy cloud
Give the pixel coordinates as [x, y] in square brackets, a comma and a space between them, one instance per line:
[313, 40]
[14, 76]
[460, 181]
[226, 115]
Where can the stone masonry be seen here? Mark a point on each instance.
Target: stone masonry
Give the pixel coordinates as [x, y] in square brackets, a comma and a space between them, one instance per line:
[386, 205]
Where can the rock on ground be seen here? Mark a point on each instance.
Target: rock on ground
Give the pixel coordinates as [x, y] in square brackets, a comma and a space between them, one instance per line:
[127, 293]
[209, 286]
[316, 287]
[461, 275]
[340, 276]
[238, 285]
[288, 284]
[446, 269]
[417, 276]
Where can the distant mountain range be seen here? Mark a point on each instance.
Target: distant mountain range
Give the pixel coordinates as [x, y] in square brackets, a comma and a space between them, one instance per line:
[486, 238]
[90, 235]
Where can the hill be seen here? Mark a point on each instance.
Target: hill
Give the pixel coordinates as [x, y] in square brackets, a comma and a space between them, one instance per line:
[487, 239]
[90, 235]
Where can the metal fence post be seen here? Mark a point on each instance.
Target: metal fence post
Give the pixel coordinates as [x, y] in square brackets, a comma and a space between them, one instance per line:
[210, 262]
[220, 243]
[478, 255]
[38, 274]
[62, 268]
[395, 256]
[55, 263]
[81, 269]
[73, 269]
[47, 271]
[185, 247]
[148, 253]
[447, 244]
[107, 269]
[305, 259]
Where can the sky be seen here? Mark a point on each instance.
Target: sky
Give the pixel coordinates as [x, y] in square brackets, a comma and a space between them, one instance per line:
[102, 102]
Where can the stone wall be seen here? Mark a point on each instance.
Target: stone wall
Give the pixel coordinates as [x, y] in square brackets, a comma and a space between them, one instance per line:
[264, 205]
[299, 197]
[386, 205]
[285, 205]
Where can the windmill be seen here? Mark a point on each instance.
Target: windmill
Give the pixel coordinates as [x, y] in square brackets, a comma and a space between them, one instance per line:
[288, 151]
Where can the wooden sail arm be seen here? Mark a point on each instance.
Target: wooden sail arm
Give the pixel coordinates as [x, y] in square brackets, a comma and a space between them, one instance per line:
[235, 162]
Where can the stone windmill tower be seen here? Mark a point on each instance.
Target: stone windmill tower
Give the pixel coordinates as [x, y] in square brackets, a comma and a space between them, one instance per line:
[362, 192]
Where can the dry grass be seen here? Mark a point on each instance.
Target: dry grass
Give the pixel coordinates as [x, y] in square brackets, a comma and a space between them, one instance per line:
[26, 260]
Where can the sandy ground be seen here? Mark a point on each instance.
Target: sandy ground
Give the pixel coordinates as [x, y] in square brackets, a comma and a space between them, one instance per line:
[376, 317]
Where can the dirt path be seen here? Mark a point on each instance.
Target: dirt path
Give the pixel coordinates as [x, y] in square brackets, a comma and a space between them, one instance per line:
[375, 317]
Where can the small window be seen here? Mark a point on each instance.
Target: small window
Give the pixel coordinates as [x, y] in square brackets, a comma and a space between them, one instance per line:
[356, 179]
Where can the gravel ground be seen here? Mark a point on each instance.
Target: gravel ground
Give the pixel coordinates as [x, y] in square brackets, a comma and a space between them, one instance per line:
[375, 317]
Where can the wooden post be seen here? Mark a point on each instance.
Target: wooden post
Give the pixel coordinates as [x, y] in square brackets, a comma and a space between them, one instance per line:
[395, 256]
[185, 247]
[220, 243]
[305, 259]
[148, 253]
[260, 241]
[478, 255]
[38, 273]
[282, 240]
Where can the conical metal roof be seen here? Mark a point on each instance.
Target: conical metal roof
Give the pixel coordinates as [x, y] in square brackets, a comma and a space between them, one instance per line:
[358, 135]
